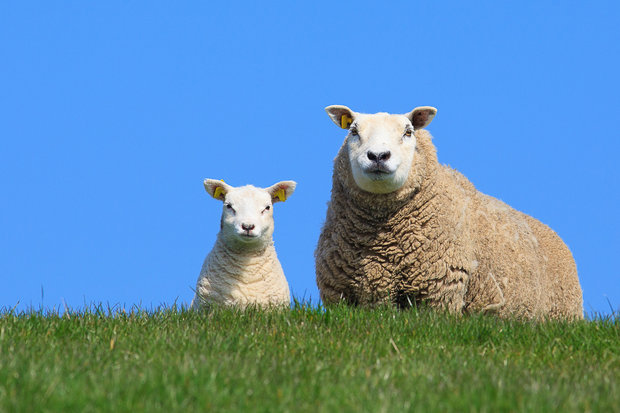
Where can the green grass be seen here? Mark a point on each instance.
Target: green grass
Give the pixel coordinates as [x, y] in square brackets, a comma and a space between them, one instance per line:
[306, 359]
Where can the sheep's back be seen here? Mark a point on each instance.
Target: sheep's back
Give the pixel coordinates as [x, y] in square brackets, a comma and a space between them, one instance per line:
[564, 289]
[529, 264]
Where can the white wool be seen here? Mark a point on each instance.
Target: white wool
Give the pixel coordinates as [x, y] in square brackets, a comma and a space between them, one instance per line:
[243, 268]
[232, 278]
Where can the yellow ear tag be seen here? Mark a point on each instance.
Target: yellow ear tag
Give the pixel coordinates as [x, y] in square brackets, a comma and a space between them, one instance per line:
[345, 121]
[218, 191]
[280, 194]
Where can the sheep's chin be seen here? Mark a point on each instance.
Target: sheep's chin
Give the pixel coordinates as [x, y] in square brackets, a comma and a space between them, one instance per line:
[379, 183]
[248, 239]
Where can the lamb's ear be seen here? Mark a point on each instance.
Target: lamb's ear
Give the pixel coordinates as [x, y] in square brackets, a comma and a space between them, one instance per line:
[281, 191]
[341, 115]
[421, 116]
[217, 189]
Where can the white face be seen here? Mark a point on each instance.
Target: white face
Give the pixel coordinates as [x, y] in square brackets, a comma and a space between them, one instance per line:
[381, 149]
[247, 215]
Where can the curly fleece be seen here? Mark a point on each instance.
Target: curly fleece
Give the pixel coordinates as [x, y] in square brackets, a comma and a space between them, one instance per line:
[438, 240]
[241, 277]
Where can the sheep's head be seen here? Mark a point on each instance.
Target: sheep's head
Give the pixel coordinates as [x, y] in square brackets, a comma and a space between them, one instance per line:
[247, 214]
[381, 146]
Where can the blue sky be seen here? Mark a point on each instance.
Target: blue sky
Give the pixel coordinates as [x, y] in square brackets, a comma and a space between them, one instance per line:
[112, 114]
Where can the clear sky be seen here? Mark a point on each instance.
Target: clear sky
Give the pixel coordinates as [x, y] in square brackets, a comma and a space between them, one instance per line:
[112, 114]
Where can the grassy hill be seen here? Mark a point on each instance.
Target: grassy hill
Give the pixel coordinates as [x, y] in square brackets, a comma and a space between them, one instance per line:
[306, 359]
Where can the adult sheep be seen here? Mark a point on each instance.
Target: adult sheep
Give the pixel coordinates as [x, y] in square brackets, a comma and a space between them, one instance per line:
[402, 228]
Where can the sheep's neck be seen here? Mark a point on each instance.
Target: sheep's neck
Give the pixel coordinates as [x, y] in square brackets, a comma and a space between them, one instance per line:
[382, 212]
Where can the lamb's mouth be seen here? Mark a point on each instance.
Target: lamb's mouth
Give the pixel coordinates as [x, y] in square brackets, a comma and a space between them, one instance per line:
[246, 236]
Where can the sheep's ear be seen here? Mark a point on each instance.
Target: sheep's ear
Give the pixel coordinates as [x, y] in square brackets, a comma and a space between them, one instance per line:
[421, 116]
[281, 191]
[217, 189]
[341, 115]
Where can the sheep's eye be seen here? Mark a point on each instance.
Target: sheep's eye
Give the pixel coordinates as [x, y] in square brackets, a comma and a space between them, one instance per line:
[353, 131]
[229, 206]
[267, 208]
[408, 132]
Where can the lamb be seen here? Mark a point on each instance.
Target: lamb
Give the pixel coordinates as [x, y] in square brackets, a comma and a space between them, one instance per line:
[243, 268]
[403, 229]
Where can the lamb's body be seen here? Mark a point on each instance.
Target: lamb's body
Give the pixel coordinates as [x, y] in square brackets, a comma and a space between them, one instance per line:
[243, 268]
[437, 239]
[233, 277]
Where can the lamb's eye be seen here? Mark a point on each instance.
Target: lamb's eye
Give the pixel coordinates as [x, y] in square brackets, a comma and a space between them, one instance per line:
[408, 132]
[267, 208]
[353, 131]
[229, 206]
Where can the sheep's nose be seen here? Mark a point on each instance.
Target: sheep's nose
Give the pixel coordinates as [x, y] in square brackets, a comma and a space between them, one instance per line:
[247, 227]
[379, 157]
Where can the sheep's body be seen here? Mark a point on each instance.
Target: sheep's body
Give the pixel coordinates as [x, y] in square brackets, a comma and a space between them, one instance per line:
[233, 277]
[438, 240]
[243, 268]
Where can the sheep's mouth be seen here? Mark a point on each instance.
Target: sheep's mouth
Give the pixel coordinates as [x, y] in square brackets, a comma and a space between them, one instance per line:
[378, 172]
[247, 236]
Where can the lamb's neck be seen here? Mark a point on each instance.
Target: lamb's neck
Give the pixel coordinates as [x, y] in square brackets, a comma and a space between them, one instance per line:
[245, 265]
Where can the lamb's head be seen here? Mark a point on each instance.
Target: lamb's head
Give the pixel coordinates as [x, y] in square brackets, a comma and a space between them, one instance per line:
[247, 215]
[381, 146]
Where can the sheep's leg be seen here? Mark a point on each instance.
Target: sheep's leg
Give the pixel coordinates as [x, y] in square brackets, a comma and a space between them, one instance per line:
[449, 292]
[484, 295]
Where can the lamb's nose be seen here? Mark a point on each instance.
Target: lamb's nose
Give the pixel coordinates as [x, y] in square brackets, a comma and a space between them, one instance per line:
[247, 227]
[379, 157]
